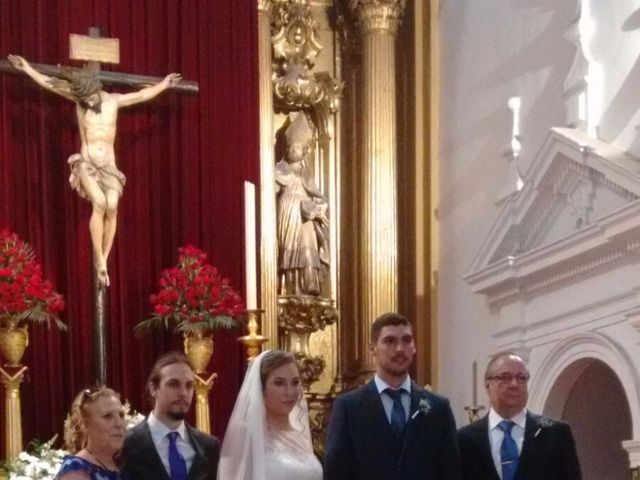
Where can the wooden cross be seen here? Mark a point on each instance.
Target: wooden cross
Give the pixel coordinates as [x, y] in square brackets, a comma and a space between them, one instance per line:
[96, 50]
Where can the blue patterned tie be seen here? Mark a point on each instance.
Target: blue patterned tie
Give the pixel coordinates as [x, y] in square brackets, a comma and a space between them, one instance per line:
[398, 418]
[176, 461]
[508, 451]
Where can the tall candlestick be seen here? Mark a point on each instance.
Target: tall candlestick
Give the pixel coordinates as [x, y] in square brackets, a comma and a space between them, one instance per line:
[475, 384]
[250, 244]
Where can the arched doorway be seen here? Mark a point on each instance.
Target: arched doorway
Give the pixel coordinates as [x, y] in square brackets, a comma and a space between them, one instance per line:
[589, 395]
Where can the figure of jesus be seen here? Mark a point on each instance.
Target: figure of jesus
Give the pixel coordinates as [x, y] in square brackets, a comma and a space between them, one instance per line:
[94, 174]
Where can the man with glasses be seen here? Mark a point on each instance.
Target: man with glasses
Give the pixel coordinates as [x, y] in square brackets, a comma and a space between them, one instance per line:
[511, 442]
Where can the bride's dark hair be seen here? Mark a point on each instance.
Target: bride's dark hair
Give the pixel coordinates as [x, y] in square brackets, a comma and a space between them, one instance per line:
[274, 359]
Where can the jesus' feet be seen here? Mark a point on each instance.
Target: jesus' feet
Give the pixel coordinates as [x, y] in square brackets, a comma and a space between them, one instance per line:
[103, 277]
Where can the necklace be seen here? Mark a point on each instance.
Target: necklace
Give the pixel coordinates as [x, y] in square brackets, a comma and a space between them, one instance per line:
[95, 457]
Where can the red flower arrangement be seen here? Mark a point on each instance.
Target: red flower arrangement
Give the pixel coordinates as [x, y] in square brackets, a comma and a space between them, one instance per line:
[24, 295]
[193, 296]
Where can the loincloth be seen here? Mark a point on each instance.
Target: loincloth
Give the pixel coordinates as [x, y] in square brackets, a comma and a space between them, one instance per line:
[107, 176]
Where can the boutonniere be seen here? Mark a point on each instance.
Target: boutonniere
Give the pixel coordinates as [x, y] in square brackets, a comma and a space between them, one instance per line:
[424, 406]
[543, 423]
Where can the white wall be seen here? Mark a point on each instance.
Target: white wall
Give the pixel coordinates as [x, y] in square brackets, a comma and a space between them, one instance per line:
[492, 50]
[615, 48]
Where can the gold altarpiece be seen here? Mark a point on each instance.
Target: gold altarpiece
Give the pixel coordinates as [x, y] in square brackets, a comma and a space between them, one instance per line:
[367, 103]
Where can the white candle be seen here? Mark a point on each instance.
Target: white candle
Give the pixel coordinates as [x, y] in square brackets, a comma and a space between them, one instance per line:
[475, 383]
[250, 244]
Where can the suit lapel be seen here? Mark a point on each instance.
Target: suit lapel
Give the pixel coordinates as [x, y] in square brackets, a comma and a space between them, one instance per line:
[200, 460]
[415, 422]
[374, 408]
[410, 430]
[484, 441]
[528, 454]
[154, 462]
[416, 395]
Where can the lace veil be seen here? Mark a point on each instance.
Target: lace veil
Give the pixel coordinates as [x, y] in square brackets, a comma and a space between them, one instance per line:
[246, 440]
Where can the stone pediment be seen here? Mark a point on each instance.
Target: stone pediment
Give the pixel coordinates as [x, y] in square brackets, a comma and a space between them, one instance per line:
[580, 201]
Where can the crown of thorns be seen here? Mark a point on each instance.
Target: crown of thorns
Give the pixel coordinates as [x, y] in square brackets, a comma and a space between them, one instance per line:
[83, 82]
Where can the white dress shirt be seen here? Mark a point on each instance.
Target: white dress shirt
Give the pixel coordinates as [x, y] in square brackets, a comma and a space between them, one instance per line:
[159, 432]
[496, 435]
[387, 401]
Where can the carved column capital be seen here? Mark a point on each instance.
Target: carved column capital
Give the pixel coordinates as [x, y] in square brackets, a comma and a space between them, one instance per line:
[378, 15]
[264, 6]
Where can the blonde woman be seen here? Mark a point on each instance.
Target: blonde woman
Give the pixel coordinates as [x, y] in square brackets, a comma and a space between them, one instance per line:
[94, 433]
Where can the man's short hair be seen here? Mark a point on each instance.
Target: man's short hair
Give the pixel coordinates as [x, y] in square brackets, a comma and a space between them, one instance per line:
[385, 320]
[168, 358]
[499, 356]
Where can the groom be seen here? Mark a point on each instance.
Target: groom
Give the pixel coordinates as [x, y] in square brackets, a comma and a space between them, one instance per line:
[392, 429]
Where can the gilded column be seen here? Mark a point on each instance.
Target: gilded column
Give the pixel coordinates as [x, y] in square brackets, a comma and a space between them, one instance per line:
[203, 387]
[12, 411]
[268, 235]
[378, 21]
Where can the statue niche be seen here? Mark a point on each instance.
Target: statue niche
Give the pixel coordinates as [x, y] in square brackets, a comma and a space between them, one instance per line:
[302, 222]
[310, 101]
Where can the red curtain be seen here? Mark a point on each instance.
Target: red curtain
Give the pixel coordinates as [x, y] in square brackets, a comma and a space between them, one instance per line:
[185, 157]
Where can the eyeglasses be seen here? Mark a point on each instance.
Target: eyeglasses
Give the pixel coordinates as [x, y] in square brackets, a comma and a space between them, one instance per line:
[506, 378]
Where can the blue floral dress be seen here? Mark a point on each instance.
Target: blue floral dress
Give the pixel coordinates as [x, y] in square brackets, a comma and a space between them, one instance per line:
[72, 463]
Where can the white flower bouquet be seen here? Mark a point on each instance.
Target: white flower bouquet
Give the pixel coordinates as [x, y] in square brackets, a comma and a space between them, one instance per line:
[41, 464]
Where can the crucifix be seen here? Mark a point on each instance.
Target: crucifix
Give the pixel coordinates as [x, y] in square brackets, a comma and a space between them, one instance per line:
[94, 174]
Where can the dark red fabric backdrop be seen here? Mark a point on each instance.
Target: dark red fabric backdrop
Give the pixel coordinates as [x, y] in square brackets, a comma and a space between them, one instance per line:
[185, 158]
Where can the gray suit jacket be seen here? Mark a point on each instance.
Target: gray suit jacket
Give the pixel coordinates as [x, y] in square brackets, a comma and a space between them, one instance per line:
[142, 462]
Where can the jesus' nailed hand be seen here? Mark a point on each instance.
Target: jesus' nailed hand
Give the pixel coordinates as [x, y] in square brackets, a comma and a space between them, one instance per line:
[94, 174]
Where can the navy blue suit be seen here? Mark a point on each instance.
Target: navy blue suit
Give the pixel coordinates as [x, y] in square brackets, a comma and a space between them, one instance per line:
[548, 451]
[362, 446]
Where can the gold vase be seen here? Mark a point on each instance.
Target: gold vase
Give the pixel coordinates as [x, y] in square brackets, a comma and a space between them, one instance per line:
[13, 341]
[198, 346]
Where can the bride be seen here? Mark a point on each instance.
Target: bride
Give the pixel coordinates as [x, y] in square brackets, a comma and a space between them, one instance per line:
[268, 435]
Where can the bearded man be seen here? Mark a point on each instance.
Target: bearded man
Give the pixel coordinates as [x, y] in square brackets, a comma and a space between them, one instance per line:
[164, 446]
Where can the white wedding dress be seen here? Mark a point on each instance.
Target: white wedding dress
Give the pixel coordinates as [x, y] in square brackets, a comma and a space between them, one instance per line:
[285, 460]
[252, 451]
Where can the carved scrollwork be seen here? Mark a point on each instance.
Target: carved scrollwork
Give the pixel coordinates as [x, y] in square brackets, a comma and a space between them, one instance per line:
[332, 91]
[297, 88]
[298, 318]
[305, 314]
[319, 414]
[296, 36]
[295, 49]
[310, 368]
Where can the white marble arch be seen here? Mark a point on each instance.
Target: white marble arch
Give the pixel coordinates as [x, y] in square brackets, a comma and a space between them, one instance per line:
[560, 272]
[566, 361]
